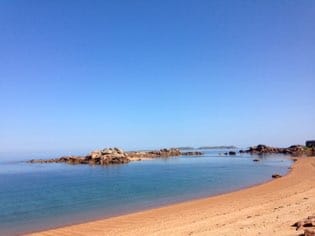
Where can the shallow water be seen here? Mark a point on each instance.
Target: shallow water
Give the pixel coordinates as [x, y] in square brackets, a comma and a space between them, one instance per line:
[40, 196]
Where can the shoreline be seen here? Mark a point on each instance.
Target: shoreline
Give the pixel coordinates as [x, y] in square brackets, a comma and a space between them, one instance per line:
[261, 209]
[163, 205]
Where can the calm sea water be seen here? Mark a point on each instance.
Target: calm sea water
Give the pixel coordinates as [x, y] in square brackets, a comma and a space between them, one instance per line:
[41, 196]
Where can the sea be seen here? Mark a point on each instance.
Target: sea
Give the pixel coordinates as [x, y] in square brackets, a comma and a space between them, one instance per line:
[35, 197]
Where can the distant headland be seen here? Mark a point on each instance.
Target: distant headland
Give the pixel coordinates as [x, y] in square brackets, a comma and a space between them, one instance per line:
[217, 147]
[207, 147]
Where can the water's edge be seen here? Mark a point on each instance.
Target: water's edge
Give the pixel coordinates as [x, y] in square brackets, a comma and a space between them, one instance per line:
[165, 205]
[39, 197]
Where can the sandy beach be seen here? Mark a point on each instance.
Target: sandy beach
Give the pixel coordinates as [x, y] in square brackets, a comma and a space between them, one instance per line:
[267, 209]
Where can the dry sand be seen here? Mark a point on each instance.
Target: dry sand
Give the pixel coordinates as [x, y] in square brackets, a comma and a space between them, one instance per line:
[266, 209]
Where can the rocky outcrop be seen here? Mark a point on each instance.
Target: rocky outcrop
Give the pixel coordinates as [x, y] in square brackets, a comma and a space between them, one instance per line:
[171, 152]
[195, 153]
[156, 153]
[309, 232]
[230, 153]
[99, 157]
[114, 156]
[308, 225]
[294, 150]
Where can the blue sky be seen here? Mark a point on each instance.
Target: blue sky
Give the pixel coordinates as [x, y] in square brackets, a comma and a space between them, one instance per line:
[79, 75]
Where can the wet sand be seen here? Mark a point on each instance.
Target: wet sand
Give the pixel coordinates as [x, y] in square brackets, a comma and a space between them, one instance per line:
[266, 209]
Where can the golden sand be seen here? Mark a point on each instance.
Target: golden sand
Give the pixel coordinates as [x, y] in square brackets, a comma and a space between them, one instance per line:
[266, 209]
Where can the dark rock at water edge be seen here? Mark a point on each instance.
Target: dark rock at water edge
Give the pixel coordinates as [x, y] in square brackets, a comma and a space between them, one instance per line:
[294, 150]
[196, 153]
[230, 153]
[276, 176]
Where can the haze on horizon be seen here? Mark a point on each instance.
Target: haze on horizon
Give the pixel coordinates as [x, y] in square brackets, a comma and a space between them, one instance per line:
[80, 75]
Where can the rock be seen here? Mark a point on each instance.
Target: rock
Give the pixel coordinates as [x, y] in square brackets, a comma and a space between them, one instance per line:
[118, 150]
[196, 153]
[77, 160]
[114, 156]
[298, 225]
[232, 153]
[167, 152]
[275, 176]
[294, 150]
[107, 151]
[307, 224]
[96, 154]
[117, 155]
[309, 232]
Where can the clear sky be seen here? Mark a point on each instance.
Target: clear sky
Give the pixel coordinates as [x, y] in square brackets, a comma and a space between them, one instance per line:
[79, 75]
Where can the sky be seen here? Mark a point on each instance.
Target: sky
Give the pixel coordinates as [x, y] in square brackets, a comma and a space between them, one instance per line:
[82, 75]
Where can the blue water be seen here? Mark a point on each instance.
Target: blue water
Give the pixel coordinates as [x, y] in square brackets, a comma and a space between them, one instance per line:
[41, 196]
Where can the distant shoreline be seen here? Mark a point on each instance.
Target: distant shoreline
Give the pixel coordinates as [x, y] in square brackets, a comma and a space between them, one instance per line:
[217, 147]
[207, 147]
[274, 205]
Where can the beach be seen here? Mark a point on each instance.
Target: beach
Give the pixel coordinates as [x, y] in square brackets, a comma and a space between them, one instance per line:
[163, 118]
[266, 209]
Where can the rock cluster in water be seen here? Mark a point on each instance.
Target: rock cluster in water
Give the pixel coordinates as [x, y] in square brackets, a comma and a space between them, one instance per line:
[308, 225]
[114, 156]
[230, 153]
[194, 153]
[294, 150]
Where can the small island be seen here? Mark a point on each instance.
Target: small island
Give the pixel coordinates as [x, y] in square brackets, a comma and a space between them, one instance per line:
[115, 155]
[294, 150]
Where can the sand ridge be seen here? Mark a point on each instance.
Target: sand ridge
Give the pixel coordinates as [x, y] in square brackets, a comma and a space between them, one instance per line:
[266, 209]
